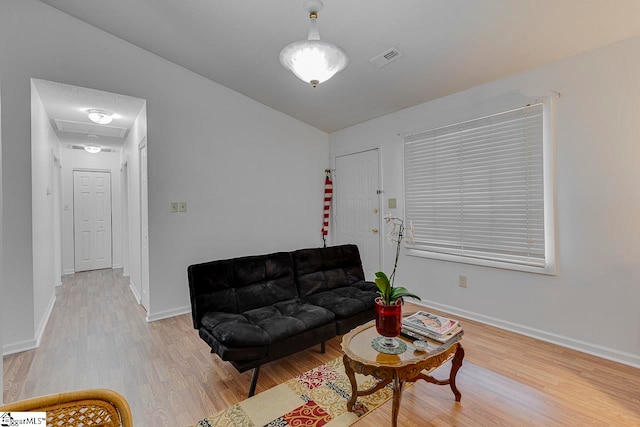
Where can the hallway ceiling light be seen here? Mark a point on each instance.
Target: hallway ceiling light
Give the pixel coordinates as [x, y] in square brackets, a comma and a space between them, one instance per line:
[313, 60]
[101, 117]
[93, 149]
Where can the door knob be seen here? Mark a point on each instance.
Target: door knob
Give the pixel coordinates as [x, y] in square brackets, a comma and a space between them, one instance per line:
[374, 229]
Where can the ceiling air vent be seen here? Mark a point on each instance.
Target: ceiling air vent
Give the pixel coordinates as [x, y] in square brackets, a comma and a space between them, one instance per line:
[386, 57]
[90, 128]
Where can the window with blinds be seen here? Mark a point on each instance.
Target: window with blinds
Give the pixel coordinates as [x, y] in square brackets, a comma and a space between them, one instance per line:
[475, 189]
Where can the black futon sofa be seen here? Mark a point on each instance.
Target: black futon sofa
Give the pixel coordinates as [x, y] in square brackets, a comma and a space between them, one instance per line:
[256, 309]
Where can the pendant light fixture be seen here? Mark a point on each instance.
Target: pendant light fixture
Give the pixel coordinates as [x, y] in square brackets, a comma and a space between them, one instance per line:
[313, 60]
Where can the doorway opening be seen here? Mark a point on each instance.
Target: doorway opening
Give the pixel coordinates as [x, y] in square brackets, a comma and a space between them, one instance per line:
[67, 144]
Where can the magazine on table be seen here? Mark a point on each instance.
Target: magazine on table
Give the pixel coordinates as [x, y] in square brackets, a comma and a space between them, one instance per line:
[443, 339]
[428, 323]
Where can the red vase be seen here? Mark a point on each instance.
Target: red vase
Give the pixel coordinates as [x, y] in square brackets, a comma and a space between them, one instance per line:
[388, 319]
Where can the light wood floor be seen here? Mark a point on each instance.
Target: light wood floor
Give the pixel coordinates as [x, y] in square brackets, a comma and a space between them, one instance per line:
[97, 337]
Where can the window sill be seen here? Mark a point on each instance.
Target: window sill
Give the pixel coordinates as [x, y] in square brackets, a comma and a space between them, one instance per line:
[549, 269]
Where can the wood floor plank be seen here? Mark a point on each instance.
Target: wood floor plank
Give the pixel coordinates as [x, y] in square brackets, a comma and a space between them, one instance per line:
[97, 337]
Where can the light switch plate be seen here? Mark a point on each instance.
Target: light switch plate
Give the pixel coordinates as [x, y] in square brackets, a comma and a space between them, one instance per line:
[392, 203]
[183, 206]
[174, 207]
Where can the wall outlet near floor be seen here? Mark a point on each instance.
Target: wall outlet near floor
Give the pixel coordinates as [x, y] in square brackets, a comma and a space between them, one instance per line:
[183, 206]
[462, 281]
[392, 203]
[174, 207]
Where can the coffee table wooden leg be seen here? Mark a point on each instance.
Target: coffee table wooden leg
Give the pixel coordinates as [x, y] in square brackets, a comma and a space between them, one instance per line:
[455, 366]
[397, 397]
[352, 379]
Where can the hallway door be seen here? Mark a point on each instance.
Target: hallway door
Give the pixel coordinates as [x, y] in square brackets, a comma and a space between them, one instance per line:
[92, 220]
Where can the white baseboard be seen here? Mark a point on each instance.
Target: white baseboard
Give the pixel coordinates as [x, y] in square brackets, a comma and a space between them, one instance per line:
[71, 271]
[19, 347]
[114, 266]
[152, 317]
[582, 346]
[134, 291]
[45, 320]
[32, 343]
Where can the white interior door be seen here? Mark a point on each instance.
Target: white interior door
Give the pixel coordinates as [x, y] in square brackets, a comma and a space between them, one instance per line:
[357, 209]
[92, 220]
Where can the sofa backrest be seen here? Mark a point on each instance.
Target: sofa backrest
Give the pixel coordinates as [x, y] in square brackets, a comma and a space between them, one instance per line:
[240, 284]
[323, 269]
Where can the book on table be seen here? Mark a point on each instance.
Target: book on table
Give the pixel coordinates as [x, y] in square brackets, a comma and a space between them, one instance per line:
[429, 324]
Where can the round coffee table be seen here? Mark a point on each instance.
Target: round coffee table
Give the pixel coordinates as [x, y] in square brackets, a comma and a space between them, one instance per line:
[360, 357]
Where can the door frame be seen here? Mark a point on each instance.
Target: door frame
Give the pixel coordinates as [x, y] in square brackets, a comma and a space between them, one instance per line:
[144, 225]
[73, 210]
[334, 206]
[124, 204]
[57, 218]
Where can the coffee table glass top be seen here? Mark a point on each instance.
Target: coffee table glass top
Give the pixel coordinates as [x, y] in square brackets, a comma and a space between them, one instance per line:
[357, 345]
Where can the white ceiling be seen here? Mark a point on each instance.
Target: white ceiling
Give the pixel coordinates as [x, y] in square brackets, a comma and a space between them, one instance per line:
[70, 103]
[448, 45]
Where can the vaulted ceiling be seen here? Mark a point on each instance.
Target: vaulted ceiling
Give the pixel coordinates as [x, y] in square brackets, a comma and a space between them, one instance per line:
[447, 45]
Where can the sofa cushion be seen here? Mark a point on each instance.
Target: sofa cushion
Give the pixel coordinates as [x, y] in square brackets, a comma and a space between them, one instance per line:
[265, 325]
[240, 284]
[322, 269]
[346, 301]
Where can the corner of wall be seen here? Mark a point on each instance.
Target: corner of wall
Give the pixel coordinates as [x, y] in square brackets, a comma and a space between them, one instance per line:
[45, 319]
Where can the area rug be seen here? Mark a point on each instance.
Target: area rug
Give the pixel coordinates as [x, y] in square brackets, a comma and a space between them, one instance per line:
[316, 398]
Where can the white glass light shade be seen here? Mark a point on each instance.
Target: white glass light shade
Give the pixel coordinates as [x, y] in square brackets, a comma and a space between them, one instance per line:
[313, 61]
[100, 116]
[92, 149]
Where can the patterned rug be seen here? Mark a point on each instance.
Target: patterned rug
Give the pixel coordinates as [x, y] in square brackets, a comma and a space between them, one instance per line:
[316, 398]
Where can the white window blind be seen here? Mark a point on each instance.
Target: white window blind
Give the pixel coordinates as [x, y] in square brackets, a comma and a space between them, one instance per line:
[475, 189]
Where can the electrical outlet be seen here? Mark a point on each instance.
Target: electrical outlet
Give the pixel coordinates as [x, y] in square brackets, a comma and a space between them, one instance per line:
[174, 207]
[462, 281]
[183, 206]
[392, 203]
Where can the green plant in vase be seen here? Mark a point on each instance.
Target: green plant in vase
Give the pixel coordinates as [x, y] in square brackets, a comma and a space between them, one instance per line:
[389, 303]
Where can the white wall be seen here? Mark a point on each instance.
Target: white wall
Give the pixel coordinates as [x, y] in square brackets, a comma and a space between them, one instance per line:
[252, 177]
[81, 160]
[593, 302]
[44, 147]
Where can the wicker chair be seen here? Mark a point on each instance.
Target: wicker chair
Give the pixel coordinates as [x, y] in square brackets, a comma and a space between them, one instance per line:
[93, 407]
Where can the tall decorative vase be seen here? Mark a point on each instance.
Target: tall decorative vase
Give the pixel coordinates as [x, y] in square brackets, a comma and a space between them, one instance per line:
[389, 322]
